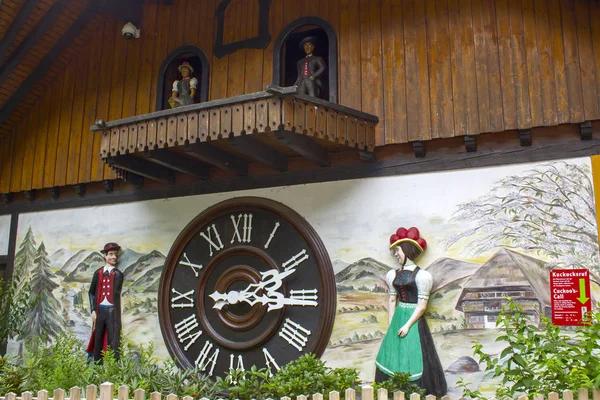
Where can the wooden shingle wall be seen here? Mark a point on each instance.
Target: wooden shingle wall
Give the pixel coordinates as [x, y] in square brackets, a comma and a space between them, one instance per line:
[428, 68]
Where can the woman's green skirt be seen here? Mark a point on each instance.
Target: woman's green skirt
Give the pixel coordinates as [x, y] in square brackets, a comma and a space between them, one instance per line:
[398, 354]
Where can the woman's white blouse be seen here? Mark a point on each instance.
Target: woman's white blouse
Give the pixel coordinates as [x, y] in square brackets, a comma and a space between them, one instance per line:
[423, 280]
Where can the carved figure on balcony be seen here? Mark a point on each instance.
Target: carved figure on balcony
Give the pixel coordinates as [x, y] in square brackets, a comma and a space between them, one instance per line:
[408, 345]
[184, 89]
[310, 68]
[105, 304]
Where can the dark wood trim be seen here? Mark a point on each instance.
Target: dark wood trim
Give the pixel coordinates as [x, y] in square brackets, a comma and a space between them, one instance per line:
[204, 74]
[258, 42]
[109, 185]
[143, 168]
[9, 259]
[6, 198]
[332, 69]
[367, 156]
[304, 146]
[392, 166]
[15, 26]
[3, 260]
[219, 158]
[258, 151]
[23, 49]
[178, 162]
[84, 18]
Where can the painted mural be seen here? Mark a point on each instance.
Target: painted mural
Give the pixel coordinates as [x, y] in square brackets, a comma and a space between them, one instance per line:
[4, 234]
[491, 233]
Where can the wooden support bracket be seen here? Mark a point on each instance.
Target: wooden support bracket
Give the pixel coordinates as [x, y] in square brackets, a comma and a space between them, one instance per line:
[80, 189]
[219, 158]
[30, 194]
[54, 192]
[258, 151]
[143, 168]
[525, 137]
[419, 148]
[109, 185]
[367, 156]
[6, 198]
[585, 129]
[470, 143]
[178, 162]
[304, 146]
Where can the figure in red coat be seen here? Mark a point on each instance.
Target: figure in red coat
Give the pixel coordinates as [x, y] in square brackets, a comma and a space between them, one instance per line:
[105, 304]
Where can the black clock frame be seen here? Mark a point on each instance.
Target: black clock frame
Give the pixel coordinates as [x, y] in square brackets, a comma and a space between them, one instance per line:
[327, 295]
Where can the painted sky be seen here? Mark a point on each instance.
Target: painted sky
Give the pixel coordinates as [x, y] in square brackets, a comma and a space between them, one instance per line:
[367, 211]
[4, 233]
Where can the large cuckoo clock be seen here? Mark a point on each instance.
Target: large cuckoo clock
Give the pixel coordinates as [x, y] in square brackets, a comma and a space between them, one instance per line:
[247, 282]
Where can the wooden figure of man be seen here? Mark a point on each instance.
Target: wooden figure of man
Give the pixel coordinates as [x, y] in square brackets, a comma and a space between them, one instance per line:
[310, 69]
[105, 303]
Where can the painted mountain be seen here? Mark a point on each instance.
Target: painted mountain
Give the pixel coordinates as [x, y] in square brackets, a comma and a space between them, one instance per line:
[338, 265]
[145, 272]
[127, 258]
[60, 257]
[84, 270]
[72, 263]
[364, 272]
[447, 270]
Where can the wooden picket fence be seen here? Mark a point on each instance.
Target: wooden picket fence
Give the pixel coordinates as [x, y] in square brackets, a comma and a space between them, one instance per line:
[366, 393]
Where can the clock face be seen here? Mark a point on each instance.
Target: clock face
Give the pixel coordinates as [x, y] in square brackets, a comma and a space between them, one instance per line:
[247, 282]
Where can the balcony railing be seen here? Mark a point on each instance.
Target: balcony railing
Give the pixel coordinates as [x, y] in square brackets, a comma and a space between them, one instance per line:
[267, 127]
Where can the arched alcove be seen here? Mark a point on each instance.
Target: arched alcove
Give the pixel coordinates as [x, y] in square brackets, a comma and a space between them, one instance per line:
[168, 73]
[287, 53]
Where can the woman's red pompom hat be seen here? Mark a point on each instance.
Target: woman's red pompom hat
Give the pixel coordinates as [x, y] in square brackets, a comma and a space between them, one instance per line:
[411, 235]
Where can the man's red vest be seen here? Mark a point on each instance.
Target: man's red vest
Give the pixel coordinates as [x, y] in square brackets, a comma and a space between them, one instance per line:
[105, 287]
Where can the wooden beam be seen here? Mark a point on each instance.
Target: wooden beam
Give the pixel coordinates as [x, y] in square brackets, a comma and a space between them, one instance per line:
[258, 151]
[23, 49]
[15, 26]
[214, 156]
[178, 162]
[143, 168]
[304, 146]
[44, 65]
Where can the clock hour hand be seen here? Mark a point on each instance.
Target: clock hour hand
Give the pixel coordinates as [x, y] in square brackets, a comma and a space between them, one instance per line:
[271, 281]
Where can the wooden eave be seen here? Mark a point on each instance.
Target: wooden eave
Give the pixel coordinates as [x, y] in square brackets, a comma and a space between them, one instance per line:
[267, 127]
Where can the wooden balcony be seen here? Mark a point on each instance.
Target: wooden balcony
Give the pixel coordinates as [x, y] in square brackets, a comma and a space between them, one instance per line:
[267, 127]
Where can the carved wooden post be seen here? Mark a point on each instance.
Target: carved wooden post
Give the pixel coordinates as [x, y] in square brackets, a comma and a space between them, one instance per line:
[415, 396]
[596, 394]
[75, 393]
[286, 398]
[568, 395]
[155, 396]
[91, 392]
[139, 394]
[582, 394]
[553, 396]
[26, 396]
[350, 394]
[188, 398]
[59, 394]
[301, 397]
[172, 397]
[10, 396]
[43, 395]
[430, 397]
[335, 395]
[107, 390]
[317, 396]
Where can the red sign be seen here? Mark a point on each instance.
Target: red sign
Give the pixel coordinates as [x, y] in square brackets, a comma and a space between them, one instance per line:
[571, 296]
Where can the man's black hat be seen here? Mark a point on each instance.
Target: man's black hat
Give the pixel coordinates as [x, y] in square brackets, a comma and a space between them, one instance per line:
[111, 246]
[311, 39]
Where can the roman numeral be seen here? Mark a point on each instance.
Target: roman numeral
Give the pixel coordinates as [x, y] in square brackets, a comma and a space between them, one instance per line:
[245, 236]
[295, 260]
[240, 367]
[218, 245]
[270, 361]
[295, 334]
[188, 296]
[188, 263]
[305, 295]
[204, 359]
[185, 331]
[272, 235]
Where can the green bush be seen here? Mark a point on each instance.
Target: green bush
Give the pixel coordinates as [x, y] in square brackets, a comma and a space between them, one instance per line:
[399, 382]
[539, 361]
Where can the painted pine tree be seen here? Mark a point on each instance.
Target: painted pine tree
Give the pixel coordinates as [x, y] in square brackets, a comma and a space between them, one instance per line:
[44, 320]
[25, 258]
